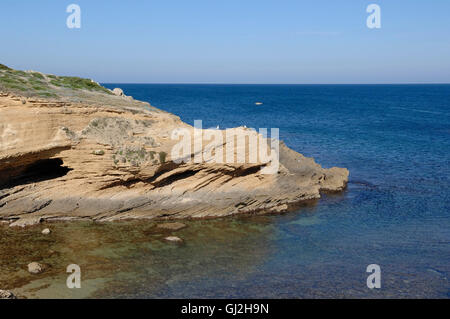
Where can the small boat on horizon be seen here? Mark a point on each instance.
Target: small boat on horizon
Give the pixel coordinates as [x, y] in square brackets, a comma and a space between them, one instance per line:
[258, 103]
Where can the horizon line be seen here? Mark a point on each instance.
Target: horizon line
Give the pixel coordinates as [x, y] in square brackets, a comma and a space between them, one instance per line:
[231, 83]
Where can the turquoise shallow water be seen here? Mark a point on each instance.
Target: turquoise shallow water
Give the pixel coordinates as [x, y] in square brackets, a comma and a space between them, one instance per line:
[394, 139]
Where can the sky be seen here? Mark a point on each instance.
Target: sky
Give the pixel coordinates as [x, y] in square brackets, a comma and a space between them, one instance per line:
[230, 41]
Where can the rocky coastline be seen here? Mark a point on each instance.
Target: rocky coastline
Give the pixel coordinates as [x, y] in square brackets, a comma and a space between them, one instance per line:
[81, 151]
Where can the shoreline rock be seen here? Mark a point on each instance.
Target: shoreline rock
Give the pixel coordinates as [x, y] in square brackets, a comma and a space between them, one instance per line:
[26, 221]
[118, 92]
[174, 239]
[6, 294]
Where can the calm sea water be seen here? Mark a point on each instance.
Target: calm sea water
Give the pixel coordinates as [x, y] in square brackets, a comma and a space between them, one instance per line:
[394, 139]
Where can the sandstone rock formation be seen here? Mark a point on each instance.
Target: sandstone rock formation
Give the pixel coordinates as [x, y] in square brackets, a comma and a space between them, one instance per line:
[99, 156]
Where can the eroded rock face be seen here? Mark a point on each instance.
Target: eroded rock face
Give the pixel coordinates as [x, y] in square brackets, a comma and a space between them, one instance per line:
[113, 161]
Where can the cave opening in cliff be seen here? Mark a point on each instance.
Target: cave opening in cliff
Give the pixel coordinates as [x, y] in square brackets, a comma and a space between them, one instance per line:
[39, 171]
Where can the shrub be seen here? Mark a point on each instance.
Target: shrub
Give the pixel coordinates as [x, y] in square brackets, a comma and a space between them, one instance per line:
[74, 82]
[37, 75]
[4, 67]
[98, 152]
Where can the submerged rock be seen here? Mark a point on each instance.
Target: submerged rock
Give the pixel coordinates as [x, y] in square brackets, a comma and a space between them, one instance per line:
[172, 226]
[35, 268]
[174, 239]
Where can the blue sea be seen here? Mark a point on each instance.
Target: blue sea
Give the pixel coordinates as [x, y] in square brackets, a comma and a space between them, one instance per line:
[395, 212]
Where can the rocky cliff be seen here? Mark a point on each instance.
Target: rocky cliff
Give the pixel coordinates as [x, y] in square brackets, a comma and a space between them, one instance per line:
[71, 149]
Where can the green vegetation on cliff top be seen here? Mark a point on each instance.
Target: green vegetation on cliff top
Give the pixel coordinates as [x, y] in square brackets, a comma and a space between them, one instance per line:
[37, 84]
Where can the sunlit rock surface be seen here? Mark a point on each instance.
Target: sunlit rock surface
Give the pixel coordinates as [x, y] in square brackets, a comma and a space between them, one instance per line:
[89, 154]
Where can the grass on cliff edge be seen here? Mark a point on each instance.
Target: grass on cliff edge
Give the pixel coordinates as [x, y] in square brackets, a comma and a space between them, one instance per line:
[37, 84]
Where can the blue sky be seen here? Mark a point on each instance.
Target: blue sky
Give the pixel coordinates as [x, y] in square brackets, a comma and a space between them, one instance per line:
[229, 41]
